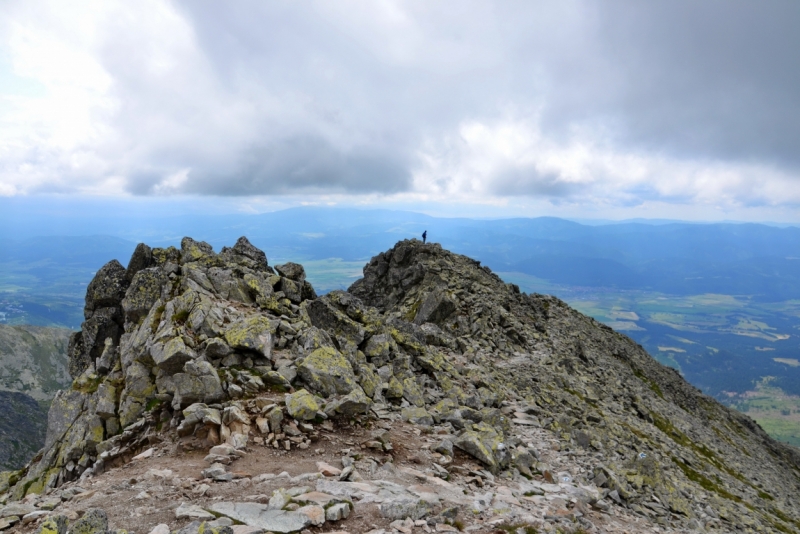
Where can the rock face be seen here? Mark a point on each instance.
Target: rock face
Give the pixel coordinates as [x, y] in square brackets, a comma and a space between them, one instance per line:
[23, 424]
[33, 367]
[34, 360]
[184, 339]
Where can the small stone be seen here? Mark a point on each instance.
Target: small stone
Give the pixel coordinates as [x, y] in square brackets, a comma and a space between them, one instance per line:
[315, 513]
[328, 470]
[161, 528]
[146, 454]
[302, 405]
[337, 512]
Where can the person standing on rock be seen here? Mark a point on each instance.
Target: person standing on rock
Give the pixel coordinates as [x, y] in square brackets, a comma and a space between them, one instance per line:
[424, 236]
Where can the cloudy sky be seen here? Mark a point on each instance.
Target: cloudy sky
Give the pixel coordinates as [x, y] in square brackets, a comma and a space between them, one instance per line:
[615, 109]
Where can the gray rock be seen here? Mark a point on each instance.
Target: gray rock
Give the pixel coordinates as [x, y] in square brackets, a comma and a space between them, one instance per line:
[94, 521]
[261, 516]
[192, 511]
[172, 355]
[17, 509]
[337, 512]
[405, 507]
[444, 447]
[302, 405]
[328, 372]
[292, 271]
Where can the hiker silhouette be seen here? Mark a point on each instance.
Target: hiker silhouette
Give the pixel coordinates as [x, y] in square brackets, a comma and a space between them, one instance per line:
[424, 236]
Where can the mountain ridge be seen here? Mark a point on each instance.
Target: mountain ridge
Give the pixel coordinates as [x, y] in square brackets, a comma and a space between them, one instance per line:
[426, 336]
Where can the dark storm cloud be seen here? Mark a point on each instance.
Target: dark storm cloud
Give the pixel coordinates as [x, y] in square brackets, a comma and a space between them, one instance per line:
[304, 164]
[663, 99]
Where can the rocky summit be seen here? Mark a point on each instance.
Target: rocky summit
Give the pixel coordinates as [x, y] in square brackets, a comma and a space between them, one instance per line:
[213, 392]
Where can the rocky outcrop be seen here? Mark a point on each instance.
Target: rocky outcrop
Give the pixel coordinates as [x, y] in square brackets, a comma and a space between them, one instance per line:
[199, 344]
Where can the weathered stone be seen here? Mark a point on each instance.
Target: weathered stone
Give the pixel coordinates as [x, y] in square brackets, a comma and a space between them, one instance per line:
[107, 288]
[354, 403]
[192, 511]
[302, 405]
[198, 383]
[106, 400]
[328, 372]
[253, 334]
[325, 316]
[192, 250]
[417, 416]
[261, 516]
[405, 507]
[172, 355]
[18, 509]
[292, 271]
[217, 348]
[412, 392]
[316, 514]
[337, 512]
[55, 524]
[94, 521]
[144, 291]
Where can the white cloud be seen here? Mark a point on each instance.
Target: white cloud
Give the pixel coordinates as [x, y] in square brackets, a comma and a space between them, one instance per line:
[568, 103]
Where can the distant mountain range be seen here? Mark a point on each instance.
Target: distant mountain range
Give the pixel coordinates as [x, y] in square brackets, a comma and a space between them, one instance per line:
[677, 258]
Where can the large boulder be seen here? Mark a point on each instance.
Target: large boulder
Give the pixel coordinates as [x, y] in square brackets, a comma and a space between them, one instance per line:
[252, 334]
[144, 291]
[171, 355]
[199, 382]
[302, 405]
[328, 372]
[107, 288]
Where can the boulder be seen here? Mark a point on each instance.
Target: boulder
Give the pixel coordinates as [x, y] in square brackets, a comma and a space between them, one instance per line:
[302, 405]
[107, 288]
[328, 372]
[327, 317]
[261, 516]
[417, 416]
[192, 250]
[292, 271]
[145, 289]
[251, 334]
[94, 521]
[172, 355]
[198, 383]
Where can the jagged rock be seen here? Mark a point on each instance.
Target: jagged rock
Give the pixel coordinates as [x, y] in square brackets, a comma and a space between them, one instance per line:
[55, 524]
[107, 288]
[328, 372]
[106, 401]
[292, 271]
[405, 507]
[217, 348]
[481, 348]
[254, 334]
[417, 416]
[172, 355]
[302, 405]
[94, 521]
[261, 516]
[354, 403]
[326, 316]
[337, 512]
[192, 511]
[144, 291]
[198, 383]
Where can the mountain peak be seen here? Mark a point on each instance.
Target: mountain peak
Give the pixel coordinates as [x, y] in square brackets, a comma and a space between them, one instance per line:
[197, 350]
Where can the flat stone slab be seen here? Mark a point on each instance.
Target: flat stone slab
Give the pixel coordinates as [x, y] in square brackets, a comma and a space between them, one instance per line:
[259, 515]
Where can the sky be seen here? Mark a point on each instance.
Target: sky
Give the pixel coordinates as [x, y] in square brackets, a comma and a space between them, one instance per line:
[661, 109]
